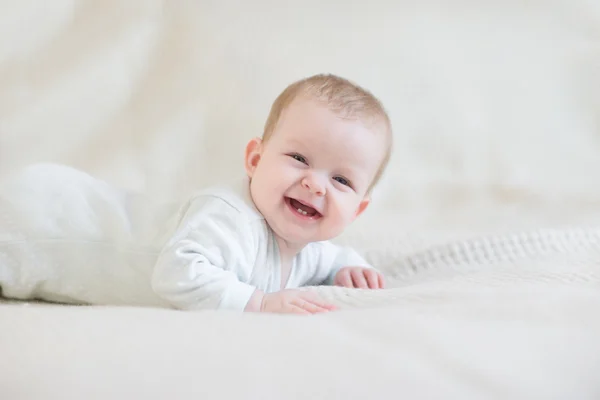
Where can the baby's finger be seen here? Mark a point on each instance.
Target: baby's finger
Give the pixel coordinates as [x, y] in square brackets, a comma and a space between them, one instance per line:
[381, 280]
[313, 308]
[328, 306]
[314, 299]
[372, 278]
[294, 309]
[345, 280]
[309, 306]
[359, 279]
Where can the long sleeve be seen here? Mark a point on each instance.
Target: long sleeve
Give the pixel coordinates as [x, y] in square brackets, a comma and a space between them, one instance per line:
[204, 263]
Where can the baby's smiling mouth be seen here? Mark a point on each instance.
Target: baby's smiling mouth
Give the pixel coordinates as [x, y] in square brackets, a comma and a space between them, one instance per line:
[302, 208]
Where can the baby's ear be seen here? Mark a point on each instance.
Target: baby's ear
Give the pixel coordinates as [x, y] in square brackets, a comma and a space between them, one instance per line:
[253, 153]
[363, 206]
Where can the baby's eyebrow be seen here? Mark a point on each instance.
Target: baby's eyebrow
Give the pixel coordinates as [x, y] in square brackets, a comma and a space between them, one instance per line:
[352, 173]
[294, 142]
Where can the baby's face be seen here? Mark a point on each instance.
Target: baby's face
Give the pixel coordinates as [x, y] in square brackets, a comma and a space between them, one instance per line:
[310, 180]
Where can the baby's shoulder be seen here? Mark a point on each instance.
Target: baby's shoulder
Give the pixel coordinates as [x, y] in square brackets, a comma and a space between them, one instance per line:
[230, 199]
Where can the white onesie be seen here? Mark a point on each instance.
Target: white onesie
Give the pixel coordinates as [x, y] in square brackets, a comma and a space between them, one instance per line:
[66, 236]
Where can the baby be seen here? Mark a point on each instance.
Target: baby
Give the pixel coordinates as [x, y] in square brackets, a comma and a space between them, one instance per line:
[326, 143]
[250, 246]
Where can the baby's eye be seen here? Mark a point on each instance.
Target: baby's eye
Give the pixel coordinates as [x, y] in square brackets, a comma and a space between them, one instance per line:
[342, 180]
[298, 157]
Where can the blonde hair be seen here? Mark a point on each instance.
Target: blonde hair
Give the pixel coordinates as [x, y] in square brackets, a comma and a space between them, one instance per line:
[342, 97]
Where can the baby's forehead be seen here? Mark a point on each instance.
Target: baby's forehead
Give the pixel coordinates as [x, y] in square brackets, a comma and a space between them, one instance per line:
[306, 104]
[307, 121]
[355, 140]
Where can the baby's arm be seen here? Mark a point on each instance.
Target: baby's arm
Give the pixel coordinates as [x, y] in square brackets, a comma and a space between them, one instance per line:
[255, 302]
[204, 263]
[201, 264]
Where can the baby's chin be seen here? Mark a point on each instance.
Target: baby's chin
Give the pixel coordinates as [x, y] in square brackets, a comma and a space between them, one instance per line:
[301, 238]
[298, 240]
[299, 235]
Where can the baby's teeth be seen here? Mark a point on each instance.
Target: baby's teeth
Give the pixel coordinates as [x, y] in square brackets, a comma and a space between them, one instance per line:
[301, 211]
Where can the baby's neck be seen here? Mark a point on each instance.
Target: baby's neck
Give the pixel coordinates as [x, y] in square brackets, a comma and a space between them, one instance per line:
[288, 250]
[287, 253]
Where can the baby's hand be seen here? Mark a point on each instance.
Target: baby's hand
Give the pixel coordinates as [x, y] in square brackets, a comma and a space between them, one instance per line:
[359, 277]
[294, 301]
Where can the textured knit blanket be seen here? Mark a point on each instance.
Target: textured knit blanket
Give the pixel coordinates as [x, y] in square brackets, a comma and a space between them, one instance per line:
[536, 261]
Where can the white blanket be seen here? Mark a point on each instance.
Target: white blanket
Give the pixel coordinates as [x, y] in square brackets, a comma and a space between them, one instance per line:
[503, 317]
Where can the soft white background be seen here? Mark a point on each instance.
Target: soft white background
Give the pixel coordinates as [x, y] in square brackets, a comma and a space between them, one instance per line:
[495, 104]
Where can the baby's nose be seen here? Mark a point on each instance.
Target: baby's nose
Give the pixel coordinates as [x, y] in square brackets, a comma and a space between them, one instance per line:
[313, 186]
